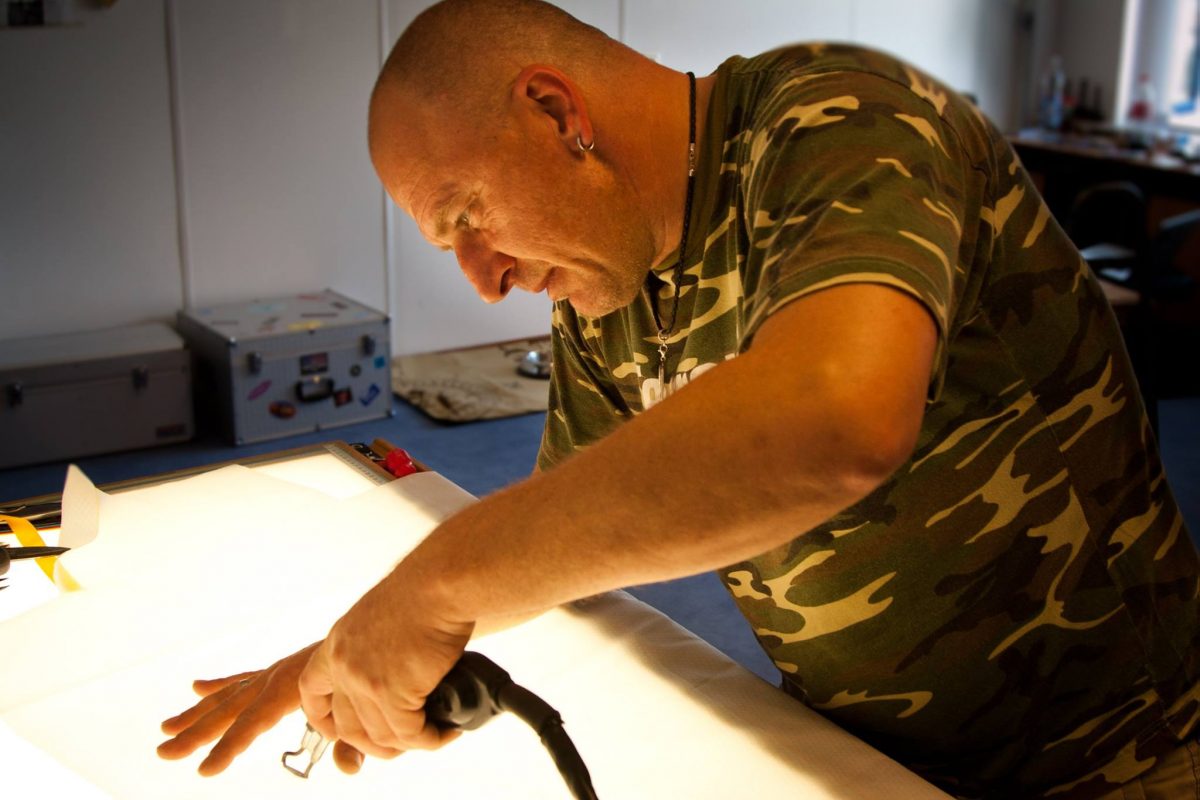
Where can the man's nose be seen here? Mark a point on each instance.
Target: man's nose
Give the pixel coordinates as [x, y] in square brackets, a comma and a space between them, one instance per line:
[486, 269]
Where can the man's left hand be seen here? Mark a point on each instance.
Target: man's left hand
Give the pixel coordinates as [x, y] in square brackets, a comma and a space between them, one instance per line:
[237, 709]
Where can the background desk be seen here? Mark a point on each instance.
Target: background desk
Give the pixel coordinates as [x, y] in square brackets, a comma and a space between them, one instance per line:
[1062, 165]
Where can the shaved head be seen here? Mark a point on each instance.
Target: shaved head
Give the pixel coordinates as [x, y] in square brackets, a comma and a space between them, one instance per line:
[469, 51]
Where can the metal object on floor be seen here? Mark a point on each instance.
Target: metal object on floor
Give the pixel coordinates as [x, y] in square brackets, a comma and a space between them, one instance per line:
[534, 364]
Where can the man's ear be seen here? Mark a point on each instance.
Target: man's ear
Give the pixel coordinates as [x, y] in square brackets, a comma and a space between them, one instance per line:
[546, 90]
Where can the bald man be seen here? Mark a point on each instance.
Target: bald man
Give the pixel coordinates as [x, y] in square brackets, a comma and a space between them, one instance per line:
[815, 329]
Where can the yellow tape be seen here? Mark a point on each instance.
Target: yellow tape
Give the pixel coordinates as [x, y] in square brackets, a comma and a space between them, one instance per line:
[28, 536]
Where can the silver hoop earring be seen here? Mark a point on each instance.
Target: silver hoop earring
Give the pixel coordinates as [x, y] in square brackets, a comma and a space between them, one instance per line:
[589, 148]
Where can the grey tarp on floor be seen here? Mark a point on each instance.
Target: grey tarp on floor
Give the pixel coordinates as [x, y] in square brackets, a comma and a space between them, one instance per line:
[470, 384]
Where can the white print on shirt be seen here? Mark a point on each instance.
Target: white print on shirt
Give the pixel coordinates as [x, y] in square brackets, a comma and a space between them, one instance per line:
[654, 392]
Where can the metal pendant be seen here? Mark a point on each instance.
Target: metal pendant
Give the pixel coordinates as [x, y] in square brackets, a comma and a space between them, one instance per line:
[662, 360]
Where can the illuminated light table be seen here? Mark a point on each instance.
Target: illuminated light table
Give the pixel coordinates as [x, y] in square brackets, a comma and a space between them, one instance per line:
[230, 570]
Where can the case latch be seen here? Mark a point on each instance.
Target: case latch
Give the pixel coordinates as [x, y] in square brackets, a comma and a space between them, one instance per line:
[141, 377]
[15, 392]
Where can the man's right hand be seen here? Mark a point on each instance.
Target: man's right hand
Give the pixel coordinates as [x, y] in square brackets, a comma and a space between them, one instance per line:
[239, 708]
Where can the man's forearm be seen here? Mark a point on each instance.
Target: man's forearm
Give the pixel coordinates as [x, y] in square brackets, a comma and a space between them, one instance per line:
[748, 456]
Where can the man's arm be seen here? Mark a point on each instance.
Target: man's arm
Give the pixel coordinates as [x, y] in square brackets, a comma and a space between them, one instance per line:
[822, 408]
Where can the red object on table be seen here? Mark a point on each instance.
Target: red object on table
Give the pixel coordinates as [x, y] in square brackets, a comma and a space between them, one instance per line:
[399, 463]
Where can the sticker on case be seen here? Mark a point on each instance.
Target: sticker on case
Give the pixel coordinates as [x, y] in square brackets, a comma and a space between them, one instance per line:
[370, 396]
[380, 362]
[282, 409]
[343, 396]
[259, 391]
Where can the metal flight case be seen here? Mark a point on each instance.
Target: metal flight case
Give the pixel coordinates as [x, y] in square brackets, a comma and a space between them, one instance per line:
[282, 366]
[80, 394]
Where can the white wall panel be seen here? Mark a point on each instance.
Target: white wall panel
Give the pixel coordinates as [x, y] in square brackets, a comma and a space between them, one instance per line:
[939, 36]
[1088, 36]
[435, 306]
[280, 196]
[87, 204]
[1001, 63]
[967, 44]
[700, 34]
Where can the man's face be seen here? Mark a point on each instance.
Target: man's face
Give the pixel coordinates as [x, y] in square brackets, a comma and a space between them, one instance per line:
[517, 208]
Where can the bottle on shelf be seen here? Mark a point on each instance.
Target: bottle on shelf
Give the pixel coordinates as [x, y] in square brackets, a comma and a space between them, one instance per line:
[1052, 108]
[1143, 120]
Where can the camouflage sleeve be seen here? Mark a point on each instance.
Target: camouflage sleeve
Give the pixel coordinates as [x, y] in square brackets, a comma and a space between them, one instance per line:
[854, 178]
[584, 406]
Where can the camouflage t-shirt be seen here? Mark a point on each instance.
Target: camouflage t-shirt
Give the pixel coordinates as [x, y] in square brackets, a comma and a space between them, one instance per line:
[1014, 612]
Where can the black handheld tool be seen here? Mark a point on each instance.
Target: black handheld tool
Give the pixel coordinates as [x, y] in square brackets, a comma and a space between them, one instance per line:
[476, 689]
[10, 554]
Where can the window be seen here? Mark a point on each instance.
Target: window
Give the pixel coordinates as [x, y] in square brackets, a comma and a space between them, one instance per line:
[1182, 97]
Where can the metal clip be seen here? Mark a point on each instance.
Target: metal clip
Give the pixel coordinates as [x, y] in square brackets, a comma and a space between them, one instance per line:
[313, 744]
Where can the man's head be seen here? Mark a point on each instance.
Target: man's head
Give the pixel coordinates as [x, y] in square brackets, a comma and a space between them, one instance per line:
[476, 127]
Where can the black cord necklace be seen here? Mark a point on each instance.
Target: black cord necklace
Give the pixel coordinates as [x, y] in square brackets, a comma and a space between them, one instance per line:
[665, 333]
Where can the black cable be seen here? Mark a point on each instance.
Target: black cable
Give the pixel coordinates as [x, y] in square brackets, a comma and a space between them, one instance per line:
[538, 714]
[477, 689]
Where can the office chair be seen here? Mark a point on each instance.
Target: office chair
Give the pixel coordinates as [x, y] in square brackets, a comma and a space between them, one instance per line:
[1108, 224]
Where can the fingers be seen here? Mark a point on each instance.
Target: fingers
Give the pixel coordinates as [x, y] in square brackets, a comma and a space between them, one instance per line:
[431, 737]
[211, 691]
[237, 709]
[258, 717]
[204, 688]
[349, 724]
[441, 736]
[359, 719]
[316, 689]
[361, 723]
[211, 701]
[206, 720]
[348, 759]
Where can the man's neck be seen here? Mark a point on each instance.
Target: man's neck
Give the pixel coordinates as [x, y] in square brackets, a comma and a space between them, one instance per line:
[655, 122]
[672, 157]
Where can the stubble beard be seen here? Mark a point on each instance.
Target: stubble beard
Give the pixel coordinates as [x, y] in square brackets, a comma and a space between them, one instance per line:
[621, 280]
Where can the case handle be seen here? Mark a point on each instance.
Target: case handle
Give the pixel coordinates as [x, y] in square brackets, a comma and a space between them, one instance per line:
[314, 389]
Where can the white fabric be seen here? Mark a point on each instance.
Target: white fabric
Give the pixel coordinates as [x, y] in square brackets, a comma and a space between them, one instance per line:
[228, 571]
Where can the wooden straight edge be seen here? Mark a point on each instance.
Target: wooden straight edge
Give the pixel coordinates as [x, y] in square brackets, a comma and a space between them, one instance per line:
[379, 446]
